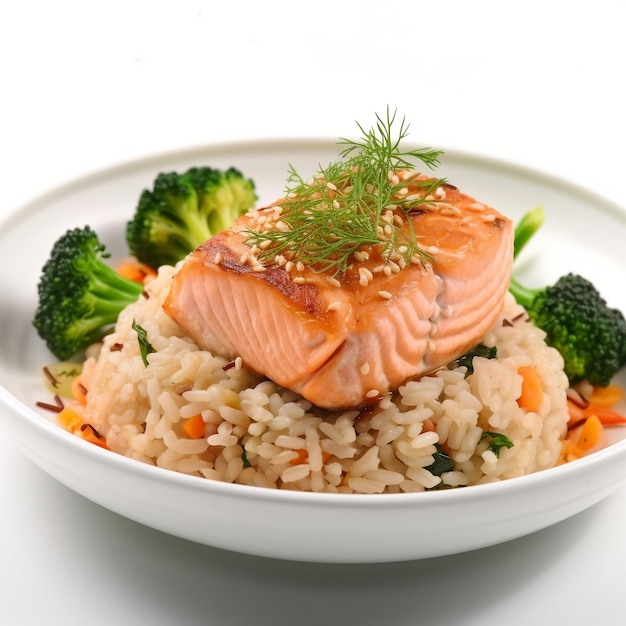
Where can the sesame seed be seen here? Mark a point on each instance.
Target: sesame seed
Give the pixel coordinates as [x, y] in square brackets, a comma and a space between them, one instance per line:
[477, 206]
[218, 258]
[372, 393]
[365, 276]
[258, 268]
[385, 294]
[365, 369]
[300, 266]
[440, 192]
[387, 270]
[331, 186]
[333, 306]
[336, 204]
[238, 363]
[243, 259]
[333, 281]
[299, 280]
[289, 266]
[488, 218]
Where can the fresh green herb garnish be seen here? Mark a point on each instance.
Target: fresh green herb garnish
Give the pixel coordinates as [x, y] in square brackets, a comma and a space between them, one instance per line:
[467, 359]
[355, 202]
[145, 347]
[442, 463]
[244, 458]
[497, 441]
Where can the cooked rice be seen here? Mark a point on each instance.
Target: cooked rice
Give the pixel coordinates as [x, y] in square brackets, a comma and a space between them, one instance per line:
[257, 433]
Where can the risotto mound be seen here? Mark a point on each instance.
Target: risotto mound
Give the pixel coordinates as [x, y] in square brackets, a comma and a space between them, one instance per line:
[434, 432]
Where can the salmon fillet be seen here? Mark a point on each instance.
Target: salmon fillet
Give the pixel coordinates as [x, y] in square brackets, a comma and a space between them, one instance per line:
[347, 340]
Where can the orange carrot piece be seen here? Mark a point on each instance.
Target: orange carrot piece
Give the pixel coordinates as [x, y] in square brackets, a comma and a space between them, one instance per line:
[606, 396]
[134, 270]
[79, 391]
[194, 427]
[70, 419]
[570, 451]
[303, 457]
[576, 413]
[88, 433]
[607, 417]
[532, 388]
[590, 433]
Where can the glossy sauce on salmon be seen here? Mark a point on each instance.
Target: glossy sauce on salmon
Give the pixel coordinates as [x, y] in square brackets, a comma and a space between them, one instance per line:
[346, 340]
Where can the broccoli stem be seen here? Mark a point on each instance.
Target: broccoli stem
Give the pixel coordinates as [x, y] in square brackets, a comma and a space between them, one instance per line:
[529, 224]
[522, 294]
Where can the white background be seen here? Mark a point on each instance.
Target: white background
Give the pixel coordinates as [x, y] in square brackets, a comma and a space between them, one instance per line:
[84, 85]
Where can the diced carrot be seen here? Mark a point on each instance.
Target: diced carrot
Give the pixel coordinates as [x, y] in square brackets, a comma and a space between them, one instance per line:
[532, 388]
[607, 417]
[590, 433]
[302, 457]
[194, 427]
[606, 396]
[576, 413]
[79, 391]
[428, 426]
[88, 433]
[570, 451]
[70, 419]
[134, 270]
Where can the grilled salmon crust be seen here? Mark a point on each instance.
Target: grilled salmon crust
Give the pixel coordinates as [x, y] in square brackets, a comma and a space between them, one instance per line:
[346, 341]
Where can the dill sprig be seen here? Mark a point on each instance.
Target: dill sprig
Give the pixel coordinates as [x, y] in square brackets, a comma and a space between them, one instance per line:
[355, 202]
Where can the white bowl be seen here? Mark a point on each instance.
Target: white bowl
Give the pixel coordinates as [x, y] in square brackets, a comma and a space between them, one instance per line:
[583, 233]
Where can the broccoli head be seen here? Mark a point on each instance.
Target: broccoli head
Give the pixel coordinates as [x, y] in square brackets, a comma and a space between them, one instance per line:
[79, 294]
[182, 211]
[590, 336]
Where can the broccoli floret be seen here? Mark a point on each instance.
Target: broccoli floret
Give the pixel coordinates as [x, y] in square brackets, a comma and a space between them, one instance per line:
[184, 210]
[589, 334]
[79, 294]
